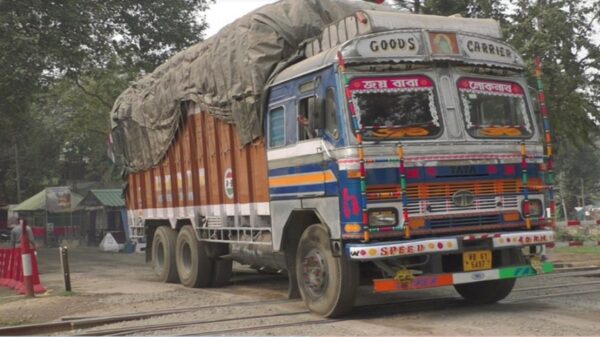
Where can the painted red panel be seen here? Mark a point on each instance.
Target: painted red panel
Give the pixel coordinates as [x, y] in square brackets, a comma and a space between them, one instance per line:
[206, 153]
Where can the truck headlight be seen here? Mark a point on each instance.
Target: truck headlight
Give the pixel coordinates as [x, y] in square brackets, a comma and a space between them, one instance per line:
[536, 208]
[383, 217]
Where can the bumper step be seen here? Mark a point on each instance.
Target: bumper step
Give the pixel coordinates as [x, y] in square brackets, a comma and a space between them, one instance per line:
[394, 249]
[441, 280]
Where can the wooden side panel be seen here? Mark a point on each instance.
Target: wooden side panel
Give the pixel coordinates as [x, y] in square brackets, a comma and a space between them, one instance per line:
[201, 160]
[242, 172]
[193, 172]
[146, 189]
[212, 167]
[223, 137]
[258, 163]
[167, 181]
[158, 187]
[137, 191]
[186, 164]
[178, 172]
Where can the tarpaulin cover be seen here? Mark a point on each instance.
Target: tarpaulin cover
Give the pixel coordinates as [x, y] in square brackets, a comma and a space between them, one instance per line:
[225, 74]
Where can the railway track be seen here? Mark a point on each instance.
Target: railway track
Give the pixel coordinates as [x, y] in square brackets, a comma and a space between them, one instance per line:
[78, 325]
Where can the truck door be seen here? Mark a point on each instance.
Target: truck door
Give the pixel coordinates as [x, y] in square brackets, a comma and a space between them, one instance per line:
[311, 173]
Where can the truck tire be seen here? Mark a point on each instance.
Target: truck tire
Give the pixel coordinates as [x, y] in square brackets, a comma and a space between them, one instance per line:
[221, 268]
[327, 284]
[194, 267]
[485, 292]
[163, 254]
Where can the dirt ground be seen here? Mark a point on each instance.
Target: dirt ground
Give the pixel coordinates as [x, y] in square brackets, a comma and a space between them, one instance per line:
[113, 283]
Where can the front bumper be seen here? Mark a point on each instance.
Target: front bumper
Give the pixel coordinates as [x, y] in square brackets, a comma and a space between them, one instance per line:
[395, 249]
[440, 280]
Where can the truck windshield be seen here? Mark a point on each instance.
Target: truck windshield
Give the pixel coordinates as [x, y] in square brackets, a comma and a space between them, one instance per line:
[494, 109]
[395, 107]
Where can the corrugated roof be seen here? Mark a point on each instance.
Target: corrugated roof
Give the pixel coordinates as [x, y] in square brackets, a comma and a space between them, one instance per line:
[109, 197]
[38, 202]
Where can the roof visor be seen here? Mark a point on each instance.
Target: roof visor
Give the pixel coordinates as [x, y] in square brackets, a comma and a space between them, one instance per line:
[426, 46]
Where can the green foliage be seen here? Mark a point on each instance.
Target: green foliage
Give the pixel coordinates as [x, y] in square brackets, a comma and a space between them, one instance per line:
[467, 8]
[578, 250]
[577, 165]
[560, 33]
[570, 234]
[63, 64]
[77, 113]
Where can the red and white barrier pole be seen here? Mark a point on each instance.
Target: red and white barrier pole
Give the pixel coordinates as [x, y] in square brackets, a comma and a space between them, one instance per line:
[26, 258]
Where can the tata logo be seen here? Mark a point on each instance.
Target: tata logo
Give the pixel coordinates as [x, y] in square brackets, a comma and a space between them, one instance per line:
[463, 198]
[462, 170]
[478, 276]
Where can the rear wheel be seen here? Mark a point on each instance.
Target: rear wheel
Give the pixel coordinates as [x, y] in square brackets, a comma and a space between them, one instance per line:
[163, 254]
[485, 292]
[327, 284]
[194, 267]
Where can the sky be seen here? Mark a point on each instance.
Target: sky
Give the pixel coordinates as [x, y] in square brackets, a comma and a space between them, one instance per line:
[226, 11]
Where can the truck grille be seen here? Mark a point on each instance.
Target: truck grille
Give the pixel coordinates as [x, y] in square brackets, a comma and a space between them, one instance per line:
[465, 221]
[445, 205]
[446, 190]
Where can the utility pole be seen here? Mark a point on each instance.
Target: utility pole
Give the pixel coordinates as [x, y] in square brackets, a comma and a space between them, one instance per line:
[582, 198]
[17, 169]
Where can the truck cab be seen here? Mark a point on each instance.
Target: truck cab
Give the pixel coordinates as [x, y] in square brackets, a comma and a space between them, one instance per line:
[418, 152]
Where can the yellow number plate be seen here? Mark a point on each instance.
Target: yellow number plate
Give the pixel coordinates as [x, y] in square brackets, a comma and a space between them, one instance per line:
[477, 260]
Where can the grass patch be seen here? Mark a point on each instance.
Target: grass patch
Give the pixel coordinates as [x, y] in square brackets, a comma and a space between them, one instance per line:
[67, 293]
[9, 299]
[12, 322]
[578, 250]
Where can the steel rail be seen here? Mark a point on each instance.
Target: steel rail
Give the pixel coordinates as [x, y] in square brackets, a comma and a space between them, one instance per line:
[135, 330]
[587, 272]
[574, 293]
[263, 327]
[179, 310]
[580, 284]
[81, 323]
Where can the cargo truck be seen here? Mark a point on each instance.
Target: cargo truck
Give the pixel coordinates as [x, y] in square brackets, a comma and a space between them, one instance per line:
[403, 151]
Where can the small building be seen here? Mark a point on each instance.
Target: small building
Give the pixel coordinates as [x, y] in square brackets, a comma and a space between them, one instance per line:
[106, 213]
[52, 215]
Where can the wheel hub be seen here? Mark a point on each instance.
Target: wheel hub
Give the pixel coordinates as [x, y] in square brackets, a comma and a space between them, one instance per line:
[314, 272]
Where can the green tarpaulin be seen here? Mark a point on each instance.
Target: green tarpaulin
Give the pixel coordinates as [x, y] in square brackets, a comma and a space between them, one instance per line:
[39, 202]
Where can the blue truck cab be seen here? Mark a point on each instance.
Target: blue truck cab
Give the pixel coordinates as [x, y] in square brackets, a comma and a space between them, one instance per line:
[407, 151]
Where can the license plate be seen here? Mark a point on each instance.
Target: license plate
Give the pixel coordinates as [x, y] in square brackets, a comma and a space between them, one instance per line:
[477, 260]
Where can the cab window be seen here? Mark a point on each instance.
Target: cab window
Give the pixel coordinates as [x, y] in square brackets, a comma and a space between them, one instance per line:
[400, 107]
[494, 109]
[331, 121]
[276, 127]
[307, 118]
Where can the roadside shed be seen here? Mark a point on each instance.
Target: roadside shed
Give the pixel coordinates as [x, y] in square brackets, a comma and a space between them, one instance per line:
[106, 213]
[52, 215]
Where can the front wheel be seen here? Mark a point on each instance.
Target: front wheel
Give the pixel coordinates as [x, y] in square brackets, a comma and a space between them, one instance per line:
[327, 284]
[485, 292]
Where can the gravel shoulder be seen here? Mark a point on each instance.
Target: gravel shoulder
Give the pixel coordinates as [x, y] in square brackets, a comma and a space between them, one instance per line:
[113, 284]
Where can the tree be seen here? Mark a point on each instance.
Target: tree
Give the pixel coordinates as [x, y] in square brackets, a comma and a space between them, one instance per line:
[560, 32]
[467, 8]
[44, 42]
